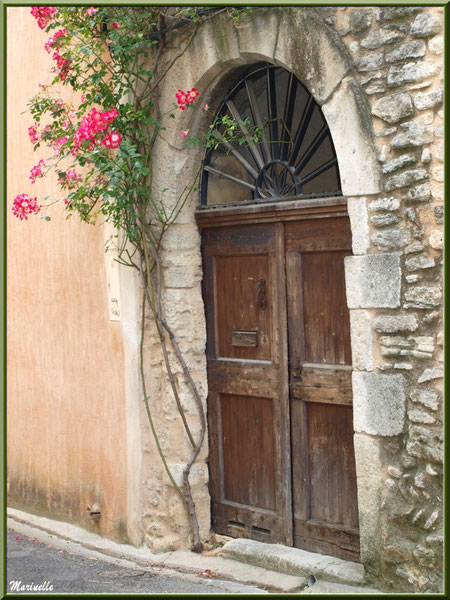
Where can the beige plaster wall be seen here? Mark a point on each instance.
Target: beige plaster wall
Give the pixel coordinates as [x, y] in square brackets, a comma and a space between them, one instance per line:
[66, 410]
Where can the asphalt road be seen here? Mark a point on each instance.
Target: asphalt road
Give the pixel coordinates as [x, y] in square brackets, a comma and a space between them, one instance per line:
[58, 571]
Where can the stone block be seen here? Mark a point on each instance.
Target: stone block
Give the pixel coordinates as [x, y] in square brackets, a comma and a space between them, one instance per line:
[378, 403]
[236, 570]
[436, 239]
[310, 48]
[439, 151]
[425, 443]
[436, 45]
[261, 33]
[384, 220]
[411, 72]
[377, 38]
[405, 179]
[419, 262]
[427, 100]
[182, 277]
[395, 323]
[390, 13]
[438, 174]
[426, 155]
[181, 238]
[393, 33]
[361, 340]
[293, 561]
[411, 215]
[419, 193]
[376, 87]
[413, 49]
[412, 135]
[426, 25]
[369, 469]
[351, 128]
[386, 132]
[369, 62]
[431, 374]
[412, 278]
[384, 204]
[423, 297]
[392, 239]
[357, 211]
[393, 108]
[420, 416]
[396, 340]
[360, 20]
[398, 163]
[373, 280]
[373, 40]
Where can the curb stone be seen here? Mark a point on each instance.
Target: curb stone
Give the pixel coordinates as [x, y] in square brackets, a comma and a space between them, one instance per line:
[228, 563]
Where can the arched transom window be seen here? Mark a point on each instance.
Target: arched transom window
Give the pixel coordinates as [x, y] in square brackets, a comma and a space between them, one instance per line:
[294, 156]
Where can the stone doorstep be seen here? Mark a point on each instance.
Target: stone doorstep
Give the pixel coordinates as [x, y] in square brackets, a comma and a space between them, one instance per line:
[279, 568]
[276, 557]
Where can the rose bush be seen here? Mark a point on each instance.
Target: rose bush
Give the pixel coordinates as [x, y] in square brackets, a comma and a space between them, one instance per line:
[102, 149]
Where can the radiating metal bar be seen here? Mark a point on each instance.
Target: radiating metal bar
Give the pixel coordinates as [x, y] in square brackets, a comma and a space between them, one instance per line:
[230, 177]
[288, 116]
[240, 158]
[319, 171]
[303, 126]
[314, 145]
[272, 104]
[251, 145]
[257, 119]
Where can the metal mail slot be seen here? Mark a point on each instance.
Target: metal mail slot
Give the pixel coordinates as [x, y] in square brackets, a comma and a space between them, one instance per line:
[245, 339]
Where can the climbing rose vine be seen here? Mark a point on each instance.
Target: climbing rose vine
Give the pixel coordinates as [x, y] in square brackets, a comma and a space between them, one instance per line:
[101, 148]
[186, 98]
[43, 14]
[23, 206]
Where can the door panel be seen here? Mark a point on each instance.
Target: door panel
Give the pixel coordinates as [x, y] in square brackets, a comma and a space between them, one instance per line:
[241, 282]
[282, 465]
[326, 316]
[331, 463]
[247, 431]
[248, 456]
[323, 465]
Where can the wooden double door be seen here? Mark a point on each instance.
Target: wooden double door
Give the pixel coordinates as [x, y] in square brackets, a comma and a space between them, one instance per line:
[282, 465]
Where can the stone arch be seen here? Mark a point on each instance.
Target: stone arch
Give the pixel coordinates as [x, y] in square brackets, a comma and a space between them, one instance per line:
[319, 59]
[312, 51]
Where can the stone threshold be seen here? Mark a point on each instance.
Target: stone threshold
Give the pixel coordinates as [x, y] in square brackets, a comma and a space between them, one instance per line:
[285, 559]
[267, 567]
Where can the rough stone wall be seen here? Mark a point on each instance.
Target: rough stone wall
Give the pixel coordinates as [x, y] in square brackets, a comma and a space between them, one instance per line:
[395, 286]
[388, 62]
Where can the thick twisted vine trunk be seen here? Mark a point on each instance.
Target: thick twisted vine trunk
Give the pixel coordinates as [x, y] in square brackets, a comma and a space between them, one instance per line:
[150, 269]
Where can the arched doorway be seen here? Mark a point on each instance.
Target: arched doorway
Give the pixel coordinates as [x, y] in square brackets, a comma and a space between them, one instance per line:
[275, 232]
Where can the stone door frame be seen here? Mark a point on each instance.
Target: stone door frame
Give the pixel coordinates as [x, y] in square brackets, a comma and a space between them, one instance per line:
[315, 54]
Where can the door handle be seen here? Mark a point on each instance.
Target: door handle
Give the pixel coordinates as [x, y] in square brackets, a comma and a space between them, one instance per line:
[261, 299]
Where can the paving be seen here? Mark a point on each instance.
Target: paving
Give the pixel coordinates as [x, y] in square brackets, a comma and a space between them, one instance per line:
[54, 570]
[239, 567]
